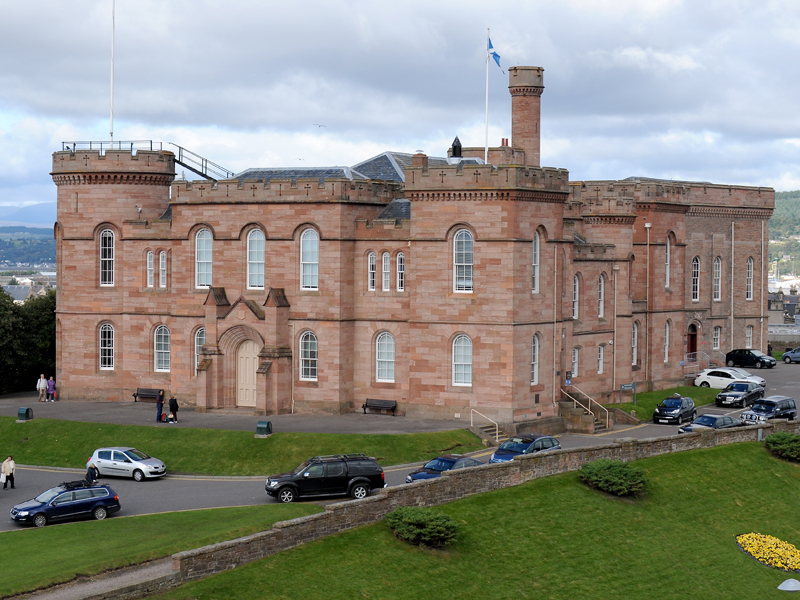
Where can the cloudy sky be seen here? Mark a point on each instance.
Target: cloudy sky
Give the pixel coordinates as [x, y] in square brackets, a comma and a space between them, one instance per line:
[698, 90]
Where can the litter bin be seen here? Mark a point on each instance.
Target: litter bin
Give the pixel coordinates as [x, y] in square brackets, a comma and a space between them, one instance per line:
[24, 414]
[264, 428]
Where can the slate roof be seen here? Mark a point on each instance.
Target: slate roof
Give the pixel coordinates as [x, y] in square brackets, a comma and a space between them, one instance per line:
[17, 292]
[389, 166]
[655, 180]
[295, 173]
[397, 210]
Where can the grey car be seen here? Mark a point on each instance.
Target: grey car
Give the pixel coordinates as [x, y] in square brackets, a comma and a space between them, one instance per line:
[791, 355]
[123, 461]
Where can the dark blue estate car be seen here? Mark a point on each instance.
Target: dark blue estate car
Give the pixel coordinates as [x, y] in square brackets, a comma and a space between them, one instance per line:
[71, 500]
[439, 465]
[524, 444]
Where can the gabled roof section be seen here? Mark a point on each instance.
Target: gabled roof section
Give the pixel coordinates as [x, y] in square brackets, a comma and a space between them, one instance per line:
[295, 173]
[398, 210]
[390, 166]
[278, 297]
[253, 306]
[17, 292]
[216, 297]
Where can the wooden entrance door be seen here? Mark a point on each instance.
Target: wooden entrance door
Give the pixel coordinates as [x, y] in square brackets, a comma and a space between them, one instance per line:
[691, 340]
[246, 365]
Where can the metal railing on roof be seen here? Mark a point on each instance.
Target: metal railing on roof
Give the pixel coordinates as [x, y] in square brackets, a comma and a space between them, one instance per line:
[131, 146]
[201, 166]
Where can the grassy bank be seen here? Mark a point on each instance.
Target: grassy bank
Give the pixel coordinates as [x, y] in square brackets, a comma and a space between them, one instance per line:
[646, 402]
[35, 558]
[555, 538]
[214, 452]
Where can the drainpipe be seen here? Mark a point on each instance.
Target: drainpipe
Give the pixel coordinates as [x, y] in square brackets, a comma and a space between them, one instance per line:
[647, 227]
[733, 234]
[555, 315]
[761, 309]
[614, 274]
[291, 368]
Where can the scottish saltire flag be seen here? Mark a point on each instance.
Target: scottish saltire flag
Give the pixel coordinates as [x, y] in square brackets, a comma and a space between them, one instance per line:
[494, 54]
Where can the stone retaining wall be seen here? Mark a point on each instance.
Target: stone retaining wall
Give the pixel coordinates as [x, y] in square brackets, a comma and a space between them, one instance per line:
[453, 485]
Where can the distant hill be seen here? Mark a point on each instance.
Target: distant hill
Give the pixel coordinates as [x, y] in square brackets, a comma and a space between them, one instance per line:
[43, 214]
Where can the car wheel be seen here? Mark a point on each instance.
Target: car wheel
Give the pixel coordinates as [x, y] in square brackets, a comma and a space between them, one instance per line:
[680, 419]
[286, 495]
[138, 475]
[359, 491]
[730, 363]
[705, 384]
[759, 365]
[99, 513]
[787, 360]
[40, 520]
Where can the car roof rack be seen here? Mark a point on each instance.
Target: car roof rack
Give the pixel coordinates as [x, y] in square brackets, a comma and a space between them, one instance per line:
[74, 485]
[340, 457]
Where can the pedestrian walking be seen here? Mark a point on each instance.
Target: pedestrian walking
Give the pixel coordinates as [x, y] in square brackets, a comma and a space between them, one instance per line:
[159, 405]
[7, 472]
[91, 474]
[173, 409]
[51, 389]
[41, 387]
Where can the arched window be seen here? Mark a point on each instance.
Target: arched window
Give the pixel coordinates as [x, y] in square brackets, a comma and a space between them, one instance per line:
[716, 337]
[386, 271]
[667, 259]
[308, 356]
[749, 281]
[462, 261]
[462, 361]
[107, 347]
[666, 341]
[601, 296]
[717, 279]
[575, 296]
[371, 268]
[162, 349]
[535, 345]
[401, 272]
[748, 336]
[576, 354]
[601, 350]
[635, 343]
[150, 267]
[384, 357]
[107, 258]
[696, 279]
[162, 269]
[309, 261]
[535, 264]
[199, 341]
[202, 259]
[255, 260]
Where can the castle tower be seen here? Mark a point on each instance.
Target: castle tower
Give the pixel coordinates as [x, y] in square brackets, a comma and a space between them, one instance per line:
[526, 86]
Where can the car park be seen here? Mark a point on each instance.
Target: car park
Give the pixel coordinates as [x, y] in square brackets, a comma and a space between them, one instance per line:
[739, 393]
[791, 355]
[123, 461]
[709, 421]
[744, 357]
[771, 407]
[720, 377]
[334, 475]
[675, 409]
[524, 444]
[440, 464]
[68, 501]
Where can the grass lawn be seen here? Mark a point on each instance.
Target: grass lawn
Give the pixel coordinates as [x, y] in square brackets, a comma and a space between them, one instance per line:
[57, 443]
[554, 538]
[646, 402]
[35, 558]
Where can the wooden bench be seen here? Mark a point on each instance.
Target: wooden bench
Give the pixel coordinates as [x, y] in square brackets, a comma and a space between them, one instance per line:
[379, 405]
[146, 393]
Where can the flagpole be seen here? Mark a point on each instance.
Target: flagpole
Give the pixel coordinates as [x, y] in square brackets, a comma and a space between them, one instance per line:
[113, 12]
[486, 147]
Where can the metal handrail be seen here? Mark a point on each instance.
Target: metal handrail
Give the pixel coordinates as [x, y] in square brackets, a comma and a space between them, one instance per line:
[576, 401]
[496, 426]
[105, 146]
[201, 166]
[608, 420]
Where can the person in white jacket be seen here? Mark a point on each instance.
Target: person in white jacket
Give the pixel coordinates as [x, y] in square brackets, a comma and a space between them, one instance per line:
[8, 469]
[41, 386]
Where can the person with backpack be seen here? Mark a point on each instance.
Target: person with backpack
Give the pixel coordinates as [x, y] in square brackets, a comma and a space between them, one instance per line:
[173, 409]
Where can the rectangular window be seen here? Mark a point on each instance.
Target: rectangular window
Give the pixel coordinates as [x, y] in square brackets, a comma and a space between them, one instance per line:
[715, 339]
[600, 353]
[162, 270]
[748, 337]
[401, 272]
[371, 271]
[150, 260]
[386, 271]
[575, 356]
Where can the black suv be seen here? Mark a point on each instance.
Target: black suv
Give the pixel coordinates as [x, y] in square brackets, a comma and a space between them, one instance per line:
[339, 474]
[771, 407]
[749, 358]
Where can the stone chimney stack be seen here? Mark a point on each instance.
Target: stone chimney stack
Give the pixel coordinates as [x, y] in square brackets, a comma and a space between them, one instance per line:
[526, 85]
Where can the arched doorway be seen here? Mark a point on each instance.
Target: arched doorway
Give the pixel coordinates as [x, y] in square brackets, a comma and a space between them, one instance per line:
[246, 365]
[691, 342]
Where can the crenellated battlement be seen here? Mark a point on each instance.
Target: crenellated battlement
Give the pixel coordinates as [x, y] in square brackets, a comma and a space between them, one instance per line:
[285, 190]
[92, 167]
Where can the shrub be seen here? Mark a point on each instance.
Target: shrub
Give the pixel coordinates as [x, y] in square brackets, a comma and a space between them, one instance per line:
[614, 477]
[784, 445]
[422, 526]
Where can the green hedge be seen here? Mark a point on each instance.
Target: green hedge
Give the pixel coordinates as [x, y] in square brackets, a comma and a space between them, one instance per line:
[422, 526]
[785, 445]
[614, 477]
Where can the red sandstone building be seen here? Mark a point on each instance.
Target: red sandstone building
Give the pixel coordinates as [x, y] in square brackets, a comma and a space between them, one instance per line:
[445, 284]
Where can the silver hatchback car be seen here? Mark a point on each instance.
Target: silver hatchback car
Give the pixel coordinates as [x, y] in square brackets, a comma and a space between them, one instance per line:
[126, 462]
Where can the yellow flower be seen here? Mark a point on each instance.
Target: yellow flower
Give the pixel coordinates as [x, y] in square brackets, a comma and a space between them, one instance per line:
[770, 551]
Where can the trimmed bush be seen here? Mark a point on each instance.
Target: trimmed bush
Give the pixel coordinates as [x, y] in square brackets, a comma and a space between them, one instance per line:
[422, 526]
[614, 477]
[784, 445]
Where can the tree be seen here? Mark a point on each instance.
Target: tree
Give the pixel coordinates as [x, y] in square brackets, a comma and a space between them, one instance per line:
[39, 314]
[13, 281]
[13, 350]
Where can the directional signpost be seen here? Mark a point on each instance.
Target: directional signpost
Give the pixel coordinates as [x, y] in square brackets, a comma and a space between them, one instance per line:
[627, 386]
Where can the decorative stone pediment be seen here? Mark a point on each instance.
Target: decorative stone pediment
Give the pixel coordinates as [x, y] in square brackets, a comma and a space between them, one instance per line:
[242, 309]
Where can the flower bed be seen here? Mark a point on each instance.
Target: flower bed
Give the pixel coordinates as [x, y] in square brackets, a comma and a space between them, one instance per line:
[770, 551]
